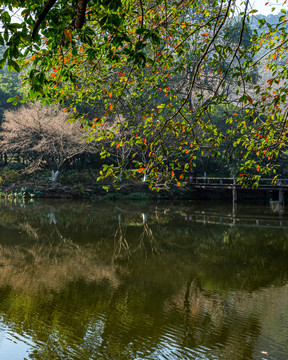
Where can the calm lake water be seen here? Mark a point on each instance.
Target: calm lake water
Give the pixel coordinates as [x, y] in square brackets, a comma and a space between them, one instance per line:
[127, 281]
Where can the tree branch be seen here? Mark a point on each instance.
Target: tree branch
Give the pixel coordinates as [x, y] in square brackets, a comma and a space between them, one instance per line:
[41, 17]
[80, 15]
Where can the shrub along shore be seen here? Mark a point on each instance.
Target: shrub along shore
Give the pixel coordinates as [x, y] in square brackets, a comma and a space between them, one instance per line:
[132, 191]
[81, 184]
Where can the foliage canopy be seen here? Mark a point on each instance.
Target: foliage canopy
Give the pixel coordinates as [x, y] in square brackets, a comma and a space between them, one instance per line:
[162, 68]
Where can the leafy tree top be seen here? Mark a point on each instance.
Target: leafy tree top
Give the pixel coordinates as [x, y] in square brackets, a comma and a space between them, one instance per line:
[161, 64]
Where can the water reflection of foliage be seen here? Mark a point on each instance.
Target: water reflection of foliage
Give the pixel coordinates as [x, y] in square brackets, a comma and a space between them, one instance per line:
[78, 296]
[226, 257]
[144, 243]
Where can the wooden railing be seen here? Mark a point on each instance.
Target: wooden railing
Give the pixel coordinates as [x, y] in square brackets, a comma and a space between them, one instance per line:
[225, 181]
[221, 219]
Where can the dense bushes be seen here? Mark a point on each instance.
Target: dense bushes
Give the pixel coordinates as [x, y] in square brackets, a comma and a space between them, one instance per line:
[8, 176]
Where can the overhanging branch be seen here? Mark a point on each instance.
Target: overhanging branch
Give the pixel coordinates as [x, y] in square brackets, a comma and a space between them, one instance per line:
[42, 16]
[79, 19]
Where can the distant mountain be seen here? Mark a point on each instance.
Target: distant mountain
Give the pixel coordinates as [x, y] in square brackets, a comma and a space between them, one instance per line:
[272, 19]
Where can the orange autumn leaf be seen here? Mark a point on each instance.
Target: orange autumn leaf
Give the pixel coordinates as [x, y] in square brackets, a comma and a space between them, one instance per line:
[111, 107]
[206, 34]
[68, 35]
[117, 146]
[144, 140]
[141, 169]
[110, 95]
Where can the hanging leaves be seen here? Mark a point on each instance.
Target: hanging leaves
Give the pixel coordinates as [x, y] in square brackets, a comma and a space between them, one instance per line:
[68, 34]
[160, 79]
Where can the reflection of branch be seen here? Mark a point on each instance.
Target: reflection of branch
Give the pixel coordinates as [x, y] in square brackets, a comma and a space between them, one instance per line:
[120, 243]
[187, 309]
[30, 231]
[151, 241]
[146, 242]
[64, 240]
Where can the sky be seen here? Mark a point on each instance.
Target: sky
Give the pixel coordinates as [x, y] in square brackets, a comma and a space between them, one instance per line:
[266, 9]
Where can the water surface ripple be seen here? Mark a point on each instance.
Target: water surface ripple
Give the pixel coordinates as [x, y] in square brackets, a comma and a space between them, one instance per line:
[143, 281]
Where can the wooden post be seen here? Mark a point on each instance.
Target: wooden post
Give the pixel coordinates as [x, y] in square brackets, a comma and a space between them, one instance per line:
[234, 209]
[281, 196]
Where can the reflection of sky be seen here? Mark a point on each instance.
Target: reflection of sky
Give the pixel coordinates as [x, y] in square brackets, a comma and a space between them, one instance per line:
[13, 346]
[166, 351]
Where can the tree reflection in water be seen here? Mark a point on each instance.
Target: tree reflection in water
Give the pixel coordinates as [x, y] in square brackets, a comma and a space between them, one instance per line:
[100, 281]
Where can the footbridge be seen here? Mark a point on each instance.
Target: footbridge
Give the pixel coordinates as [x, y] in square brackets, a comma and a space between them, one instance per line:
[264, 184]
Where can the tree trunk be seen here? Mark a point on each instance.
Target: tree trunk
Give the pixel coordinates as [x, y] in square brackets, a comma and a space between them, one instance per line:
[54, 175]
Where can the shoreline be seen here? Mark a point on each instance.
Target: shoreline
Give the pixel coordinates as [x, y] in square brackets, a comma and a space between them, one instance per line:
[129, 191]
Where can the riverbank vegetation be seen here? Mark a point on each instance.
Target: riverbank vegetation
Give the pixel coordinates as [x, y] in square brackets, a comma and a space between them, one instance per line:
[141, 91]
